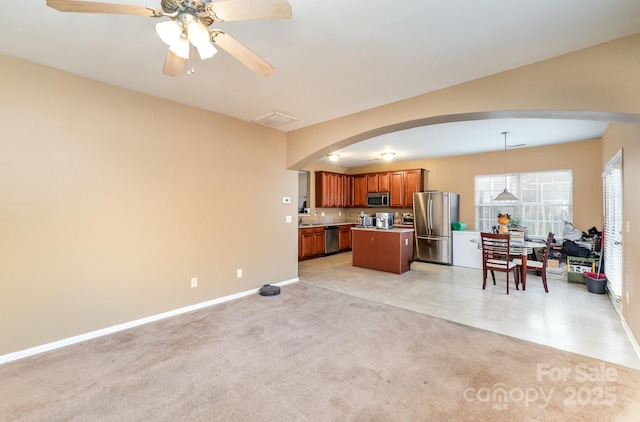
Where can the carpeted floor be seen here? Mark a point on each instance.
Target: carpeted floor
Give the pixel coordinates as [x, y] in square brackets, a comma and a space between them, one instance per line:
[312, 354]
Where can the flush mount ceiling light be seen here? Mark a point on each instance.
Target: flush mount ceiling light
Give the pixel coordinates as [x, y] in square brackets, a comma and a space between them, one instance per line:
[505, 195]
[388, 156]
[333, 157]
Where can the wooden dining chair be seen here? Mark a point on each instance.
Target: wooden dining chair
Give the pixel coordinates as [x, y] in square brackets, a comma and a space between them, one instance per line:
[496, 250]
[540, 266]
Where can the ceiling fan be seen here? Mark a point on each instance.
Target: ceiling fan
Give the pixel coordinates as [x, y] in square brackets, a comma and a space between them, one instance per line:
[188, 25]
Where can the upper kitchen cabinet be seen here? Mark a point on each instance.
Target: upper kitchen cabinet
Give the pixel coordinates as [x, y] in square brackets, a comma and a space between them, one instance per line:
[396, 189]
[332, 190]
[413, 182]
[401, 186]
[359, 192]
[377, 182]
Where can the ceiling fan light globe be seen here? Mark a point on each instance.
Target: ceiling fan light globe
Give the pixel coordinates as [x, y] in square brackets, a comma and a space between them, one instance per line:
[169, 31]
[180, 48]
[198, 34]
[206, 50]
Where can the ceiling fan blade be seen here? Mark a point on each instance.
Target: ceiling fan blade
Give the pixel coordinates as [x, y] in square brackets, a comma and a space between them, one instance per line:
[173, 64]
[235, 10]
[107, 8]
[242, 53]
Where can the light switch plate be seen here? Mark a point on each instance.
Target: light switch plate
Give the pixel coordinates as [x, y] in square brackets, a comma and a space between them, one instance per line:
[288, 219]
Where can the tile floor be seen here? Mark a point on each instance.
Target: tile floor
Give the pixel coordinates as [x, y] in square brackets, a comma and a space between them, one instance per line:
[568, 317]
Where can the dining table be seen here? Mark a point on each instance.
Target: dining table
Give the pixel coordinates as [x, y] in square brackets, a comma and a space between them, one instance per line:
[521, 248]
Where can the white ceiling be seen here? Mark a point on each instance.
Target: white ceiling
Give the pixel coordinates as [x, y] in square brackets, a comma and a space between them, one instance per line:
[469, 137]
[335, 58]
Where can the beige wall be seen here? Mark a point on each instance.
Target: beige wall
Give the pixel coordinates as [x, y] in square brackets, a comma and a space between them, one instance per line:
[627, 138]
[112, 200]
[599, 82]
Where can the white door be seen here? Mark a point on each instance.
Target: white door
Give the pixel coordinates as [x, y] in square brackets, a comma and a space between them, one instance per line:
[612, 180]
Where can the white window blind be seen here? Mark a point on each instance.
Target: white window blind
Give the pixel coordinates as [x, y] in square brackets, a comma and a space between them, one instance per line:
[612, 184]
[545, 200]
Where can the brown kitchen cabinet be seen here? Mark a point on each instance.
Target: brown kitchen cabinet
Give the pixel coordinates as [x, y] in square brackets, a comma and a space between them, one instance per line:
[377, 182]
[335, 190]
[396, 189]
[310, 242]
[344, 237]
[383, 182]
[383, 250]
[372, 182]
[332, 190]
[413, 182]
[359, 196]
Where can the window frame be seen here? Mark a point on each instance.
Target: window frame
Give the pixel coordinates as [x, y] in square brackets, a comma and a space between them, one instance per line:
[545, 200]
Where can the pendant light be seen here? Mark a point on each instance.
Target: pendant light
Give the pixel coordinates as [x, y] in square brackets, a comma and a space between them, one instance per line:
[505, 195]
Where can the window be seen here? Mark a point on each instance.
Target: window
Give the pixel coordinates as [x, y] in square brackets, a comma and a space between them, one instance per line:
[612, 179]
[545, 200]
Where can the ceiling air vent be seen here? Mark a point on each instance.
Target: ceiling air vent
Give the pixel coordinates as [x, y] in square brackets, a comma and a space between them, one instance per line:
[274, 119]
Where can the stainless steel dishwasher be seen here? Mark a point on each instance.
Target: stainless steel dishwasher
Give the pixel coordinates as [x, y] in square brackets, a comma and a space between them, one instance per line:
[331, 239]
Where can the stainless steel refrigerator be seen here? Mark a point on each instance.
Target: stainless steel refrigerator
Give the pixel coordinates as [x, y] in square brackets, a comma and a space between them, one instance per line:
[433, 214]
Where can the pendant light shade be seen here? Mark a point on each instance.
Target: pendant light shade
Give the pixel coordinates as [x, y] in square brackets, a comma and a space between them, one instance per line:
[505, 195]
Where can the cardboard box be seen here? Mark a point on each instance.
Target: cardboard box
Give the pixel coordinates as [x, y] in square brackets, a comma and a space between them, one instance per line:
[557, 273]
[553, 263]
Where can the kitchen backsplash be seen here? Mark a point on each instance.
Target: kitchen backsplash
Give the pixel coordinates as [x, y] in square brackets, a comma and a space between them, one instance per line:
[332, 215]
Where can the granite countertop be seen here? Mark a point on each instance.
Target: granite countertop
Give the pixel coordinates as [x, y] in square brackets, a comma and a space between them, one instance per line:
[393, 230]
[396, 227]
[317, 224]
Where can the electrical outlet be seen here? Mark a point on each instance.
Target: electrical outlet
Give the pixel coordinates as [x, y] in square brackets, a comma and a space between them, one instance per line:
[626, 226]
[239, 273]
[627, 298]
[406, 242]
[194, 282]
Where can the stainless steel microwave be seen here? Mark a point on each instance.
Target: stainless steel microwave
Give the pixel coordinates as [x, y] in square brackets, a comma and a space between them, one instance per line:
[378, 199]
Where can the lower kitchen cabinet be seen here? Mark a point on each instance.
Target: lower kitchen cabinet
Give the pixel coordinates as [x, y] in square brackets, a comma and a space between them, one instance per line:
[383, 250]
[344, 237]
[310, 242]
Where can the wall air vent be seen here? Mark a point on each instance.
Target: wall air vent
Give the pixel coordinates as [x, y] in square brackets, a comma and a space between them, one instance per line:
[274, 119]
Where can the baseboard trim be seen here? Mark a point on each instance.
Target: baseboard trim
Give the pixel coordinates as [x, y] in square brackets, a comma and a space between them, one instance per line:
[632, 338]
[124, 326]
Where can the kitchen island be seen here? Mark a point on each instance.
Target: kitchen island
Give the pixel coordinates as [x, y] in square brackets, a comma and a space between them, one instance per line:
[384, 250]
